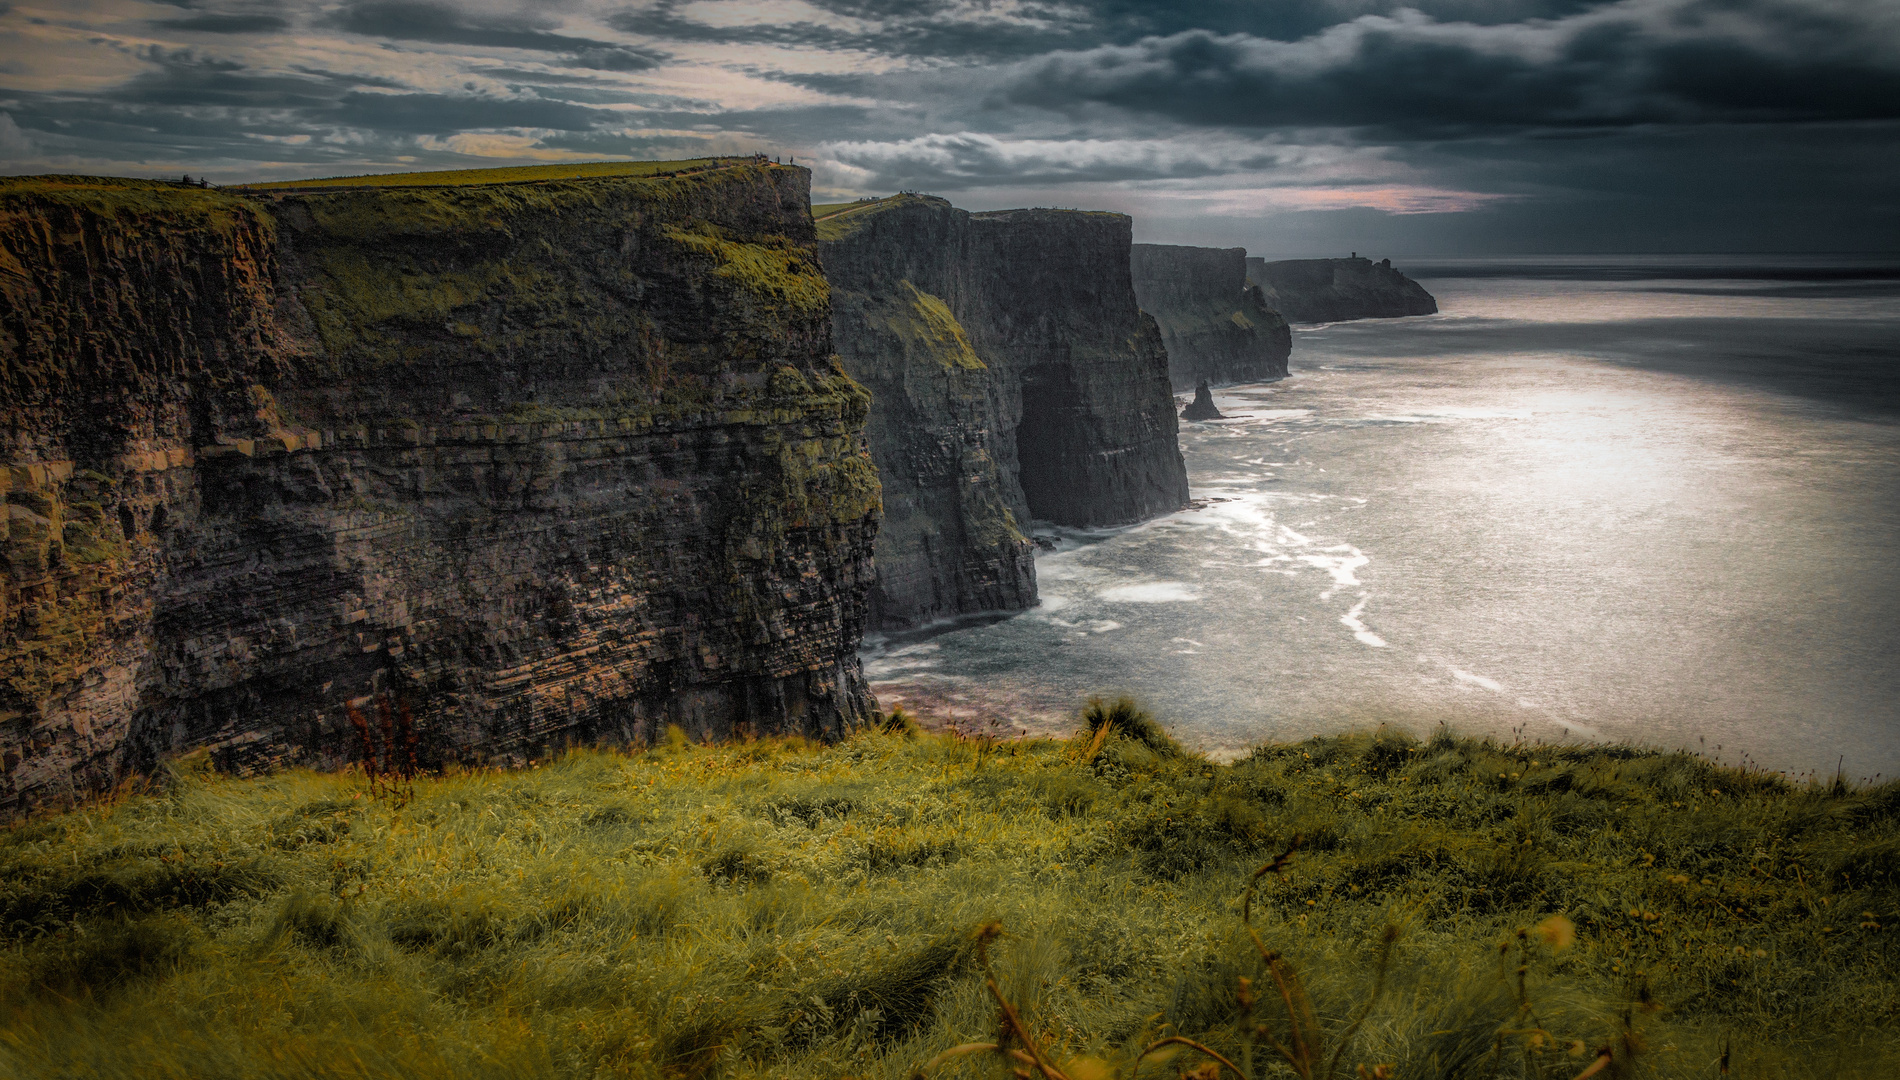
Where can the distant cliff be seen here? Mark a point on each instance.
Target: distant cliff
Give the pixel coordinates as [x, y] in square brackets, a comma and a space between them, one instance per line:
[1216, 325]
[535, 461]
[1012, 377]
[1330, 290]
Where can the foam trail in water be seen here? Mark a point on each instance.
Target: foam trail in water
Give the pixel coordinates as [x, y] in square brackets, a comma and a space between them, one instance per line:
[1153, 592]
[1464, 676]
[1358, 628]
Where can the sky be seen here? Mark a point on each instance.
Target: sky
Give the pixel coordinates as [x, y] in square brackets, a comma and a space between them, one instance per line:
[1285, 126]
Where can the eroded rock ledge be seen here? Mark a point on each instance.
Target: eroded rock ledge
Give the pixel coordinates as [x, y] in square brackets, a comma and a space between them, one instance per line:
[542, 462]
[1012, 377]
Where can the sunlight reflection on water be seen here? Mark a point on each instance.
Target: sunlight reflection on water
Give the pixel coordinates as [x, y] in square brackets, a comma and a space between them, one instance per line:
[1508, 523]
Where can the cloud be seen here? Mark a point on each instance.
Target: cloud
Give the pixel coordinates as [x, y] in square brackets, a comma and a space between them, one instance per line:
[985, 30]
[1619, 64]
[1452, 122]
[444, 114]
[445, 24]
[14, 143]
[948, 162]
[228, 24]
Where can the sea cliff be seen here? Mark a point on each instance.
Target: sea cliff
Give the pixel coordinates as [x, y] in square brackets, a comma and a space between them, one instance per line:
[1331, 290]
[1012, 377]
[526, 462]
[1217, 326]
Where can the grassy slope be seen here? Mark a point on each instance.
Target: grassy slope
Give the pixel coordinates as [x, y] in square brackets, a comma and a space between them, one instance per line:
[781, 909]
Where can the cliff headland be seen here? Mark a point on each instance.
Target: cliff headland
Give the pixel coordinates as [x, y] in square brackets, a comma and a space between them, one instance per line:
[509, 459]
[1332, 290]
[1012, 377]
[526, 460]
[1217, 325]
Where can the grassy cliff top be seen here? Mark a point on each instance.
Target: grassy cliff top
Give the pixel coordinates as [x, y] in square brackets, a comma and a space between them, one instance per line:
[107, 193]
[838, 220]
[522, 174]
[1453, 908]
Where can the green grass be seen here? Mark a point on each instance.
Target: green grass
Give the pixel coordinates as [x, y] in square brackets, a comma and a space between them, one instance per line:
[838, 220]
[776, 908]
[464, 177]
[819, 210]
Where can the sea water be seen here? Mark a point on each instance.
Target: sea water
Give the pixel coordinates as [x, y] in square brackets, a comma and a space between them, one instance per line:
[1647, 500]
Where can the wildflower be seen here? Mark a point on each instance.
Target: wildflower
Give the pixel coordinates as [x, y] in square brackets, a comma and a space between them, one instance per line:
[1558, 932]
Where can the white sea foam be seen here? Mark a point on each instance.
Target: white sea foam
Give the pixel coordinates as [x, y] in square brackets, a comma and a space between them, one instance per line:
[910, 658]
[1464, 676]
[1342, 562]
[1359, 629]
[1153, 592]
[1103, 626]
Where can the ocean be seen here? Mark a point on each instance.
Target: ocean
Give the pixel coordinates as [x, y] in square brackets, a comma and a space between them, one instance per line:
[1642, 499]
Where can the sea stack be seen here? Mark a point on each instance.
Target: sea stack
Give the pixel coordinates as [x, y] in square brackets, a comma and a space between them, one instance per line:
[1202, 407]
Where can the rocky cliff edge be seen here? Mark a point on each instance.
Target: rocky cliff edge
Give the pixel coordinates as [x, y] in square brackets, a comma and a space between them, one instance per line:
[1217, 326]
[524, 463]
[1012, 377]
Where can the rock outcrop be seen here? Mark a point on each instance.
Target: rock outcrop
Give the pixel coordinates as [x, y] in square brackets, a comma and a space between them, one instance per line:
[1216, 325]
[1332, 290]
[1012, 377]
[537, 462]
[1202, 407]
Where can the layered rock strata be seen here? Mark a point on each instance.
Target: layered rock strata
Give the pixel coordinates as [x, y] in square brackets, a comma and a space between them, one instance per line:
[1012, 376]
[535, 462]
[1333, 290]
[1216, 325]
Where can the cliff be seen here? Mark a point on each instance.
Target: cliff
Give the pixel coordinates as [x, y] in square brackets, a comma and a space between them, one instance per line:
[1216, 325]
[537, 461]
[1330, 290]
[1012, 376]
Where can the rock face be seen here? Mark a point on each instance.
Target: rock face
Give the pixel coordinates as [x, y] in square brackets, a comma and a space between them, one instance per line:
[1217, 326]
[1012, 377]
[538, 462]
[1202, 407]
[1331, 290]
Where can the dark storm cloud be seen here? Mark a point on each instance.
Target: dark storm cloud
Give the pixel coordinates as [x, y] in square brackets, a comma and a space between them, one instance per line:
[195, 104]
[183, 77]
[443, 114]
[1630, 63]
[228, 24]
[445, 24]
[969, 160]
[947, 30]
[930, 29]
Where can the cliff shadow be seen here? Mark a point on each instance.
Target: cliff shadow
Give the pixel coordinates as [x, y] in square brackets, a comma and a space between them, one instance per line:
[1053, 425]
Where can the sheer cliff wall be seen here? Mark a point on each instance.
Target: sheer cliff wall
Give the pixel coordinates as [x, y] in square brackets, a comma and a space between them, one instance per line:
[1215, 324]
[538, 462]
[1012, 377]
[1333, 290]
